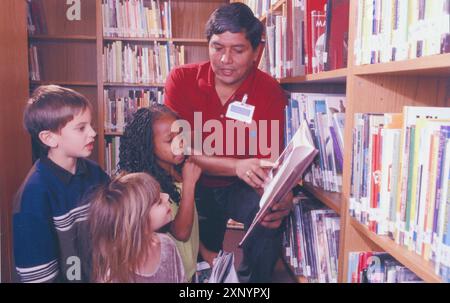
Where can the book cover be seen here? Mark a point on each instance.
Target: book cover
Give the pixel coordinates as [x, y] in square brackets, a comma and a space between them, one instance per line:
[288, 170]
[337, 34]
[310, 6]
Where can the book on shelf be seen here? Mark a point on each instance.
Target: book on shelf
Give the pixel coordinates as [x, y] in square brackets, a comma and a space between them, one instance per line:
[304, 38]
[33, 60]
[259, 7]
[122, 103]
[325, 115]
[132, 63]
[112, 148]
[311, 240]
[337, 27]
[318, 41]
[286, 173]
[395, 30]
[318, 7]
[378, 267]
[36, 21]
[137, 18]
[399, 183]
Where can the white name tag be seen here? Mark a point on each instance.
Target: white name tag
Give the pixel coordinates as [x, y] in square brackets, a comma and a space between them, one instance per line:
[240, 111]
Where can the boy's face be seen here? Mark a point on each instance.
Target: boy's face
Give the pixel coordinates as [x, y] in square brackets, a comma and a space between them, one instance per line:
[76, 138]
[232, 57]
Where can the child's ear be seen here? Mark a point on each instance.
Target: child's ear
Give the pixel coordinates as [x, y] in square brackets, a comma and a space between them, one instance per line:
[48, 138]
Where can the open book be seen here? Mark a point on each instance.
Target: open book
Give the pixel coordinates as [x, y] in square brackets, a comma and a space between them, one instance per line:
[286, 173]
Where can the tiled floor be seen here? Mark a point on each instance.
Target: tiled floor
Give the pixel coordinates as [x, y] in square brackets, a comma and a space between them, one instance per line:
[232, 238]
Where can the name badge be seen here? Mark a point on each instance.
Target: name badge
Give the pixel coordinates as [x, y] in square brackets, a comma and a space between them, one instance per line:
[240, 111]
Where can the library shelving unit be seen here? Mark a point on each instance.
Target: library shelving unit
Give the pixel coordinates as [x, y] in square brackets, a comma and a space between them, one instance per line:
[15, 150]
[70, 53]
[377, 88]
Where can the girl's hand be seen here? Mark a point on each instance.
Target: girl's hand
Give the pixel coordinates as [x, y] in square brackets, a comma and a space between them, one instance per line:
[191, 172]
[254, 172]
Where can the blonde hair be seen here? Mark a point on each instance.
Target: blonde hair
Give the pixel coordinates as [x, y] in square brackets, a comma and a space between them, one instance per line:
[120, 226]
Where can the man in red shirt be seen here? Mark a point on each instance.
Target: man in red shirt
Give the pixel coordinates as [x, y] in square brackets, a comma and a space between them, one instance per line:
[233, 173]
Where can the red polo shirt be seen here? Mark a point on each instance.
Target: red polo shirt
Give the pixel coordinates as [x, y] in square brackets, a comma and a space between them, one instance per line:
[191, 88]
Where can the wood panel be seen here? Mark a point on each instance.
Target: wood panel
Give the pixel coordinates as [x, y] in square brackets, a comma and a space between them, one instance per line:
[57, 23]
[67, 61]
[196, 53]
[15, 150]
[391, 93]
[189, 17]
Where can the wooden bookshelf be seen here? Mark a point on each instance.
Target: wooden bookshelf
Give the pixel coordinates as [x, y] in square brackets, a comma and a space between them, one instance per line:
[290, 270]
[16, 149]
[64, 38]
[63, 83]
[121, 84]
[377, 88]
[330, 199]
[437, 65]
[334, 76]
[413, 261]
[173, 40]
[70, 52]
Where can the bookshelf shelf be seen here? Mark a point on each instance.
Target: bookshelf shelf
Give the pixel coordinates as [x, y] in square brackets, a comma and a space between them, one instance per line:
[334, 76]
[330, 199]
[63, 38]
[63, 83]
[121, 84]
[298, 279]
[189, 40]
[431, 65]
[114, 134]
[413, 261]
[135, 39]
[290, 270]
[147, 39]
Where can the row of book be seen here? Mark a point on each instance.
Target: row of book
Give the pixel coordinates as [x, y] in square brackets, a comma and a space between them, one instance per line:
[137, 18]
[36, 22]
[112, 149]
[394, 30]
[121, 104]
[378, 267]
[325, 115]
[33, 61]
[259, 7]
[135, 63]
[306, 36]
[400, 179]
[311, 240]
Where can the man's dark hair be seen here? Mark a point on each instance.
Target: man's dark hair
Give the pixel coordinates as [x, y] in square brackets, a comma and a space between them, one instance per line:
[235, 18]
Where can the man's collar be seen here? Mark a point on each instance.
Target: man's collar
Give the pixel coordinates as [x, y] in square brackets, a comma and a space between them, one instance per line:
[206, 80]
[62, 174]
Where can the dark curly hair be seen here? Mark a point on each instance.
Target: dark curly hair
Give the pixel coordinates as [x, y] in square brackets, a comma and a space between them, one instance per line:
[137, 149]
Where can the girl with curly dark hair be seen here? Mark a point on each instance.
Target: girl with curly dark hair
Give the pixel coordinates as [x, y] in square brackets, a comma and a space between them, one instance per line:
[146, 146]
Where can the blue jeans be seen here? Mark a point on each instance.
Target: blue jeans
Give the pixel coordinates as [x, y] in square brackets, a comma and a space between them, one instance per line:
[240, 203]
